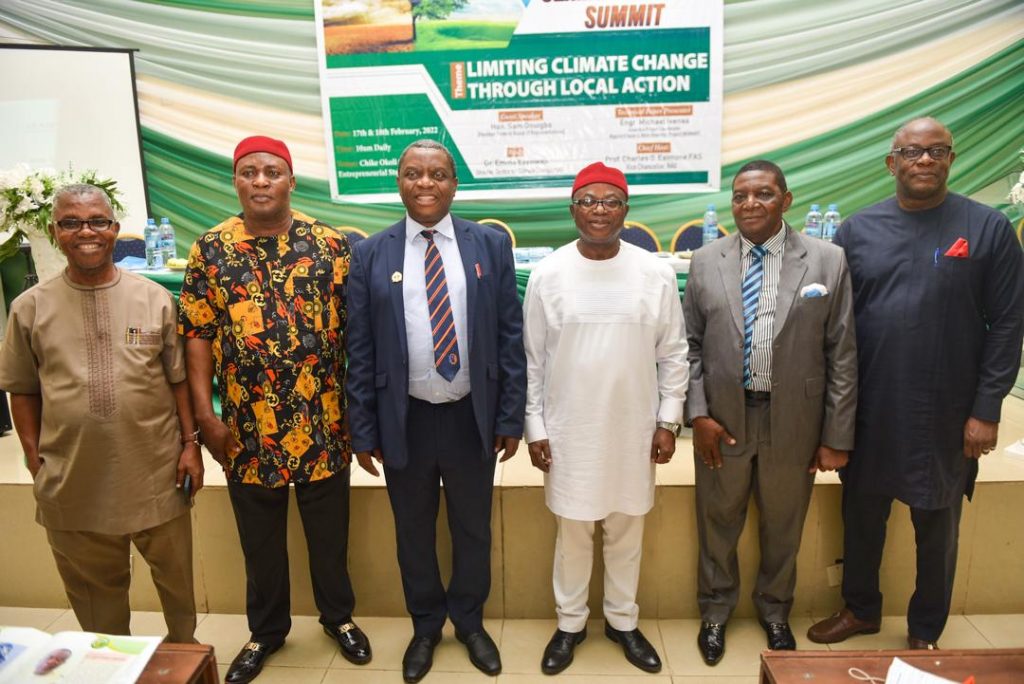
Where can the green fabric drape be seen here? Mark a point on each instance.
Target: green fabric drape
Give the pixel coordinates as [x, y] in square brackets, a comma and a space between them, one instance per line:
[264, 51]
[172, 281]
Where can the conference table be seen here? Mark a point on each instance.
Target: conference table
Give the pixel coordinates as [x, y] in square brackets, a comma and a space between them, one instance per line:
[172, 279]
[987, 666]
[181, 664]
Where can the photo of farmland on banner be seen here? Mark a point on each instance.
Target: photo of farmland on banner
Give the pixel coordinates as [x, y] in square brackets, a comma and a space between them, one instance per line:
[523, 92]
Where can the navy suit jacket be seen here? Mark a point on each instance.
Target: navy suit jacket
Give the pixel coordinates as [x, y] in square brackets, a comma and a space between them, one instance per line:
[378, 372]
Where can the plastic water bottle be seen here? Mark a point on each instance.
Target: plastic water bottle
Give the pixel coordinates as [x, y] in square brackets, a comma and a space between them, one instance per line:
[710, 233]
[154, 255]
[167, 242]
[812, 224]
[831, 223]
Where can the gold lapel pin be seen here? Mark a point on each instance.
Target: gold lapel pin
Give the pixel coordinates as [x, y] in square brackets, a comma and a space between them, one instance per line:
[396, 277]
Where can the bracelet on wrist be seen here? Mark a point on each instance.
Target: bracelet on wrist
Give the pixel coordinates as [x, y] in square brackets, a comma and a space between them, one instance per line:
[191, 437]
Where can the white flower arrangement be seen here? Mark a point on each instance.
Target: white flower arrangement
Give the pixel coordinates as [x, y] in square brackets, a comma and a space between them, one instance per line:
[26, 201]
[1017, 191]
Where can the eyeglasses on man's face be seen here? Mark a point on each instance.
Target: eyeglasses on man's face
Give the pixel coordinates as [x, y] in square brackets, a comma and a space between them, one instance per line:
[913, 152]
[611, 204]
[97, 225]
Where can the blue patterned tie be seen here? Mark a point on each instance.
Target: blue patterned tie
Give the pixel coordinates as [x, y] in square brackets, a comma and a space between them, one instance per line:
[751, 291]
[442, 322]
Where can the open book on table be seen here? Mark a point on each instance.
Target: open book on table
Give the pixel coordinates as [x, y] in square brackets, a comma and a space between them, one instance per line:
[29, 656]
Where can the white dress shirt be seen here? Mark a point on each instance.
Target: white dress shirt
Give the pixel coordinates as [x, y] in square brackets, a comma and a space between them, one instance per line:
[425, 382]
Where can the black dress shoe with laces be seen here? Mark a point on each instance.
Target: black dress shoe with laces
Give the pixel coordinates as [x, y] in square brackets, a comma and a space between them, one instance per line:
[711, 642]
[780, 637]
[637, 648]
[249, 661]
[352, 641]
[419, 656]
[558, 652]
[483, 653]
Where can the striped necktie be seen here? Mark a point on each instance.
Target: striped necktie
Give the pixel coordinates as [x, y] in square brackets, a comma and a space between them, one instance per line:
[442, 322]
[751, 291]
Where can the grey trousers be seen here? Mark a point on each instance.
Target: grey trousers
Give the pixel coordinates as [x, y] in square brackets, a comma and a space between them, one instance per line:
[782, 489]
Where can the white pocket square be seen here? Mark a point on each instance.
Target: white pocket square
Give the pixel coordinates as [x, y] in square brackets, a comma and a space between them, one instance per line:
[814, 290]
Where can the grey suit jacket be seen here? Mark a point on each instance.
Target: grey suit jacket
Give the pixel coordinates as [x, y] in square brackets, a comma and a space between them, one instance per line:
[814, 353]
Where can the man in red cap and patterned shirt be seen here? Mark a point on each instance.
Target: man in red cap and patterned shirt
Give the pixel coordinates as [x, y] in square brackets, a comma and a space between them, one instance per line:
[263, 306]
[603, 328]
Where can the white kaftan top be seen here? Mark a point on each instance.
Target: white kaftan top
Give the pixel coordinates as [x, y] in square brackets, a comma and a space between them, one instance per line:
[606, 359]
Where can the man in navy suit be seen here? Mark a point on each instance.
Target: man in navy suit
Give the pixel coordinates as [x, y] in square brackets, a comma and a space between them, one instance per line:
[437, 389]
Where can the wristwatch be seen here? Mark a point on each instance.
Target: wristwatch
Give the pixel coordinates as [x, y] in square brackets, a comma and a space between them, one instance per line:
[674, 428]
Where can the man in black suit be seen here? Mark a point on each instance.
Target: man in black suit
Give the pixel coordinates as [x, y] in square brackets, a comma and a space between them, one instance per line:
[437, 388]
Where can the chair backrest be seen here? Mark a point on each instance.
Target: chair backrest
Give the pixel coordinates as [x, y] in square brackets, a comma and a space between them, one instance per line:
[690, 236]
[499, 225]
[129, 245]
[354, 234]
[636, 233]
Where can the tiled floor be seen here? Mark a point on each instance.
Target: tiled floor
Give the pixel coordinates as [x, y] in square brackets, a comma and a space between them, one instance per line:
[310, 657]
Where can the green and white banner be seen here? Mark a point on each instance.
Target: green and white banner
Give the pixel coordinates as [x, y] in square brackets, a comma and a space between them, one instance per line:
[524, 92]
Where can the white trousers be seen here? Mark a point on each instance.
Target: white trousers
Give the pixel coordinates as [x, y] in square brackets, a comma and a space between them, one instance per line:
[574, 559]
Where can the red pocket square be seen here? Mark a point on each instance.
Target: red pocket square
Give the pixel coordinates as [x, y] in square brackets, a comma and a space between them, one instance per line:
[959, 250]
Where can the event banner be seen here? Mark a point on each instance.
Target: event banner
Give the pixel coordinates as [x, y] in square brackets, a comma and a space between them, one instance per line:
[523, 92]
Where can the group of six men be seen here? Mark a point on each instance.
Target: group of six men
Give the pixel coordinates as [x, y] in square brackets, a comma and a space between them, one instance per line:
[886, 355]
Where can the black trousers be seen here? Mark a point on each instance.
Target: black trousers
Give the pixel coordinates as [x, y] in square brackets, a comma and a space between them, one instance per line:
[936, 533]
[262, 517]
[444, 446]
[5, 414]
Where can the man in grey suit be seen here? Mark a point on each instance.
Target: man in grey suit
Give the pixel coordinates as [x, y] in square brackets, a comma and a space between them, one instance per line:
[772, 396]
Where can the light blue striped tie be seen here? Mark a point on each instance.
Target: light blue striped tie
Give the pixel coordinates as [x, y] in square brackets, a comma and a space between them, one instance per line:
[751, 293]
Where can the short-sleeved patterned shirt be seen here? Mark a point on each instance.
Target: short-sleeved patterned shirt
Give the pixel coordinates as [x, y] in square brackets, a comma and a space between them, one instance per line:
[274, 308]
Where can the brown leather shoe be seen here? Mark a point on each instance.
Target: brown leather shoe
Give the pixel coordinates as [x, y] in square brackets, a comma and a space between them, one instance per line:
[921, 645]
[840, 627]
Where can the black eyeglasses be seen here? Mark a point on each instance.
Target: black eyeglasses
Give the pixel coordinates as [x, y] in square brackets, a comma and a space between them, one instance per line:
[936, 152]
[97, 225]
[611, 204]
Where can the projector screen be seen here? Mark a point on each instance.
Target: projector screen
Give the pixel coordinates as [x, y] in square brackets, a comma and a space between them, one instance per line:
[74, 106]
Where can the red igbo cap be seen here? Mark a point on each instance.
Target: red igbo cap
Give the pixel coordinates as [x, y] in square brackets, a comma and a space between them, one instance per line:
[261, 143]
[599, 173]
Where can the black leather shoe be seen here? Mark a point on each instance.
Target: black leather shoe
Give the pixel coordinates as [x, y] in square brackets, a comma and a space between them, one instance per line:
[352, 641]
[249, 661]
[483, 653]
[711, 642]
[558, 652]
[637, 648]
[780, 637]
[419, 656]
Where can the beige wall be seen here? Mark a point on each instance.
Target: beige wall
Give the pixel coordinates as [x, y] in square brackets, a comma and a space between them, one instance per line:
[990, 566]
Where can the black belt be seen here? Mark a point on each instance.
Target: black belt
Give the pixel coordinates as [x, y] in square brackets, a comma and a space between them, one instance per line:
[753, 395]
[414, 400]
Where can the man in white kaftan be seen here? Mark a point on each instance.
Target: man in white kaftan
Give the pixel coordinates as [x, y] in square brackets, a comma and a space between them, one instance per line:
[607, 371]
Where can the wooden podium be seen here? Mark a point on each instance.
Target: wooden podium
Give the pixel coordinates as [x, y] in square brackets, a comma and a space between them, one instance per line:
[181, 664]
[989, 666]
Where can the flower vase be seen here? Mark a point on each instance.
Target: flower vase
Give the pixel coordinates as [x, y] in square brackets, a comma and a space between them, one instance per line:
[49, 260]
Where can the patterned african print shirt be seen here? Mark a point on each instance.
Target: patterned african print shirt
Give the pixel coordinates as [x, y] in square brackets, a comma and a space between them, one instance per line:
[274, 308]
